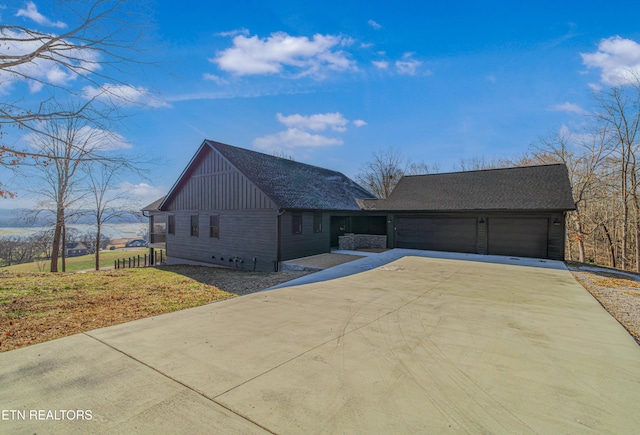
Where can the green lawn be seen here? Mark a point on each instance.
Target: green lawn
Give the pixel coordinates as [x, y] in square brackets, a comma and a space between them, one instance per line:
[84, 262]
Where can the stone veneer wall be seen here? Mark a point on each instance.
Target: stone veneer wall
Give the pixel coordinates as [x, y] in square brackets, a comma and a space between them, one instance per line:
[350, 241]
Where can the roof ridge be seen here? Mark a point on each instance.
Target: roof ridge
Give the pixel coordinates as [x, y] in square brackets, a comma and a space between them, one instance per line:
[214, 143]
[486, 170]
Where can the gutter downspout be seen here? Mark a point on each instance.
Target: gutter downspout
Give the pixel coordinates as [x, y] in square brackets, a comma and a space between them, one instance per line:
[278, 249]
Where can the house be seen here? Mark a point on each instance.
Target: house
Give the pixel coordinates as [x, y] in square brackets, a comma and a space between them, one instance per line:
[76, 249]
[244, 209]
[514, 211]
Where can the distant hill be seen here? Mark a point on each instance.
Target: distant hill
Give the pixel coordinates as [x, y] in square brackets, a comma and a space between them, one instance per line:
[16, 218]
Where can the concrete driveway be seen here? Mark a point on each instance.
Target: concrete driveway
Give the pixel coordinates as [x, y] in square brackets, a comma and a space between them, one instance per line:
[417, 345]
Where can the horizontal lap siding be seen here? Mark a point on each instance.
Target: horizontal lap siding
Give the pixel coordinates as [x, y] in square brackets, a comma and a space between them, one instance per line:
[246, 234]
[247, 217]
[305, 244]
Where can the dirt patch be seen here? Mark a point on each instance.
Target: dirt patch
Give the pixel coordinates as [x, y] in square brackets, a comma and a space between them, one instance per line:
[617, 291]
[38, 307]
[323, 261]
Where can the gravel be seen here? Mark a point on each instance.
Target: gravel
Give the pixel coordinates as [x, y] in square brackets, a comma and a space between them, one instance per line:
[617, 291]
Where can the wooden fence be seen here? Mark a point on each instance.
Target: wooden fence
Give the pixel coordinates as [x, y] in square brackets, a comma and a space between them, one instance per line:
[139, 261]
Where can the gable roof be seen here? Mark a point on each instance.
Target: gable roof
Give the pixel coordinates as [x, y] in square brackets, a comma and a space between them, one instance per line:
[529, 188]
[155, 205]
[289, 184]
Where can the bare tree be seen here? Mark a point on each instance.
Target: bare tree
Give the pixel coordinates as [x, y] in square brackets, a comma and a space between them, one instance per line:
[384, 169]
[106, 200]
[619, 117]
[73, 144]
[84, 62]
[583, 155]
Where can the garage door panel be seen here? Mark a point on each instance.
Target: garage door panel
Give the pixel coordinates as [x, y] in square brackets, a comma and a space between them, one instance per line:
[522, 237]
[437, 234]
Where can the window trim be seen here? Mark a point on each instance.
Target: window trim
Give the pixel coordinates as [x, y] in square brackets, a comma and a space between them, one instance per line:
[194, 228]
[296, 223]
[317, 223]
[171, 224]
[216, 226]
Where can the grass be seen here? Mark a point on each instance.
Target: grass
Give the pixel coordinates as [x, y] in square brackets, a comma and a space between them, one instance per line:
[43, 306]
[84, 262]
[38, 307]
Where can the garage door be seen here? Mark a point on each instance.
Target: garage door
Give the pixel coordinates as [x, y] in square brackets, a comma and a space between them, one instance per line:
[437, 234]
[521, 237]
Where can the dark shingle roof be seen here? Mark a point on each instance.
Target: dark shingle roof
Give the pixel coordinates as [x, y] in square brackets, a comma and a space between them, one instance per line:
[294, 185]
[289, 184]
[524, 188]
[154, 206]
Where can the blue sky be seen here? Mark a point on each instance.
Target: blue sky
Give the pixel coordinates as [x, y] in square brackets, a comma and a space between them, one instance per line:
[330, 82]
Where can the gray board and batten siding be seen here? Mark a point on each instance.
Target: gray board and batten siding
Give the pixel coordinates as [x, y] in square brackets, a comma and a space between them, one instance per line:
[247, 218]
[256, 198]
[244, 209]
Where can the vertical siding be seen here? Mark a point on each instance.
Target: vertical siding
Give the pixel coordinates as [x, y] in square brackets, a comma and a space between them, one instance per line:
[216, 185]
[247, 217]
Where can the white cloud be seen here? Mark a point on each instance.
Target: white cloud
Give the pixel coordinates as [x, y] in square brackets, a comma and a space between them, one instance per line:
[144, 192]
[214, 78]
[281, 52]
[123, 95]
[408, 66]
[236, 32]
[374, 24]
[319, 122]
[299, 132]
[617, 58]
[294, 138]
[569, 107]
[89, 138]
[31, 12]
[380, 64]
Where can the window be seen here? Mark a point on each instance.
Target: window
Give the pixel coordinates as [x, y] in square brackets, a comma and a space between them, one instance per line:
[194, 225]
[214, 226]
[171, 224]
[296, 224]
[317, 223]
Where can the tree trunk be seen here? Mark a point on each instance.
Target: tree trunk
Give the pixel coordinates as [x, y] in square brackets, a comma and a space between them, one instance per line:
[612, 248]
[581, 250]
[98, 247]
[64, 247]
[57, 235]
